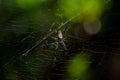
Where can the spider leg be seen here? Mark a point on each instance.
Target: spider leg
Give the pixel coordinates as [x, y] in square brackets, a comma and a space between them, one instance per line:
[57, 44]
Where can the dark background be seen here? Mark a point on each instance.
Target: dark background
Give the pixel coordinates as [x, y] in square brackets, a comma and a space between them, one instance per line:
[103, 47]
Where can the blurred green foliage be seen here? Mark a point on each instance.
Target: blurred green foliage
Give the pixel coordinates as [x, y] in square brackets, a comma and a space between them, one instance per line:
[85, 9]
[78, 66]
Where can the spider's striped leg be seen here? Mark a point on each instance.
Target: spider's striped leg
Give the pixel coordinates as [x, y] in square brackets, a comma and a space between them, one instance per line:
[56, 48]
[56, 45]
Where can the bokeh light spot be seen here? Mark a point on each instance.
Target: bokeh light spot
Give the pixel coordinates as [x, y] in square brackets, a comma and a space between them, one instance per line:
[92, 27]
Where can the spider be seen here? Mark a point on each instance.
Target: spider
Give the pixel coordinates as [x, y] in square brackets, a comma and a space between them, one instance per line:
[59, 41]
